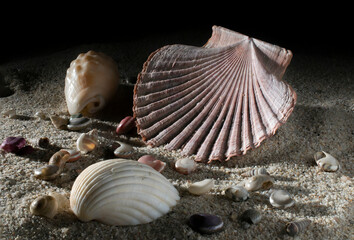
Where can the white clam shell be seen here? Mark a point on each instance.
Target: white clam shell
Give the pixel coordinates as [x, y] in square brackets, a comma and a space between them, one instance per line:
[121, 192]
[91, 80]
[326, 161]
[202, 187]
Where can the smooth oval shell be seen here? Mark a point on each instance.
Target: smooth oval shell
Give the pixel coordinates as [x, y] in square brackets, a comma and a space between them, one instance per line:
[206, 223]
[201, 187]
[215, 101]
[121, 192]
[281, 199]
[237, 193]
[185, 165]
[91, 80]
[259, 182]
[125, 125]
[326, 161]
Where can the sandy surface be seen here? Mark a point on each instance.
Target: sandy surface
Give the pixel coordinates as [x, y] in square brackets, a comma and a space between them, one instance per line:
[323, 119]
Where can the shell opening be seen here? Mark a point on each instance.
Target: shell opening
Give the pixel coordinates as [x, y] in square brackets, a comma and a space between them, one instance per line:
[95, 104]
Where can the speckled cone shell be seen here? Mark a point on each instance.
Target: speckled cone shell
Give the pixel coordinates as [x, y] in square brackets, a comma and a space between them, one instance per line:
[91, 80]
[121, 192]
[215, 101]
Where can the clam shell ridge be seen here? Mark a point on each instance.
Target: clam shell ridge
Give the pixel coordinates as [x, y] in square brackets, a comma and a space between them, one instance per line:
[121, 192]
[91, 80]
[215, 101]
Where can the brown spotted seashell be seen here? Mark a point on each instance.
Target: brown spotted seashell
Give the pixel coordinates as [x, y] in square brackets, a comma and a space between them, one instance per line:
[215, 101]
[91, 80]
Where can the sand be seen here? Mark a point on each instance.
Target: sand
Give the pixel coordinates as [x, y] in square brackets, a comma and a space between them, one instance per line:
[323, 119]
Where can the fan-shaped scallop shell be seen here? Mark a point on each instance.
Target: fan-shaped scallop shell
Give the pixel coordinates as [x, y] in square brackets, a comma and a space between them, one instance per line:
[215, 101]
[91, 80]
[121, 192]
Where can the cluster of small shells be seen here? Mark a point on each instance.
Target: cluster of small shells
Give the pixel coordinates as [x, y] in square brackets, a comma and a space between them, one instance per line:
[101, 191]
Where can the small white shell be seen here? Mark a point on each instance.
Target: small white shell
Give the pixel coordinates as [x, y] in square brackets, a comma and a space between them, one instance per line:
[199, 188]
[185, 165]
[326, 161]
[281, 199]
[237, 193]
[124, 150]
[87, 142]
[259, 182]
[91, 80]
[121, 192]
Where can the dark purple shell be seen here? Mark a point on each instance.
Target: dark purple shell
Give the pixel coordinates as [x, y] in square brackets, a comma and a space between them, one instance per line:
[16, 145]
[205, 223]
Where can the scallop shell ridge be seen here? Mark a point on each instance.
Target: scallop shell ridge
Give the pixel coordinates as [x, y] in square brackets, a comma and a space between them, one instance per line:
[121, 192]
[215, 101]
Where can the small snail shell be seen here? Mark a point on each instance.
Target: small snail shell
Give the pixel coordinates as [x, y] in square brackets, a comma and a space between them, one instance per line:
[56, 164]
[91, 80]
[250, 217]
[49, 205]
[254, 172]
[87, 142]
[237, 193]
[326, 162]
[294, 228]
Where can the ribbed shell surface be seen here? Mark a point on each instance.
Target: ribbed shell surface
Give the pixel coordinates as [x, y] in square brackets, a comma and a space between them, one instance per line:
[121, 192]
[215, 101]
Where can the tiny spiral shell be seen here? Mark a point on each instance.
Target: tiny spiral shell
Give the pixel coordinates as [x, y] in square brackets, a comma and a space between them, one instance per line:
[254, 172]
[294, 228]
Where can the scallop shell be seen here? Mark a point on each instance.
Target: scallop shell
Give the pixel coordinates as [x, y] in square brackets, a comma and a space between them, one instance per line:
[215, 101]
[121, 192]
[91, 80]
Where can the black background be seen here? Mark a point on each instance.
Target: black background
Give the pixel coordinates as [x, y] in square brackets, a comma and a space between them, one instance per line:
[40, 29]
